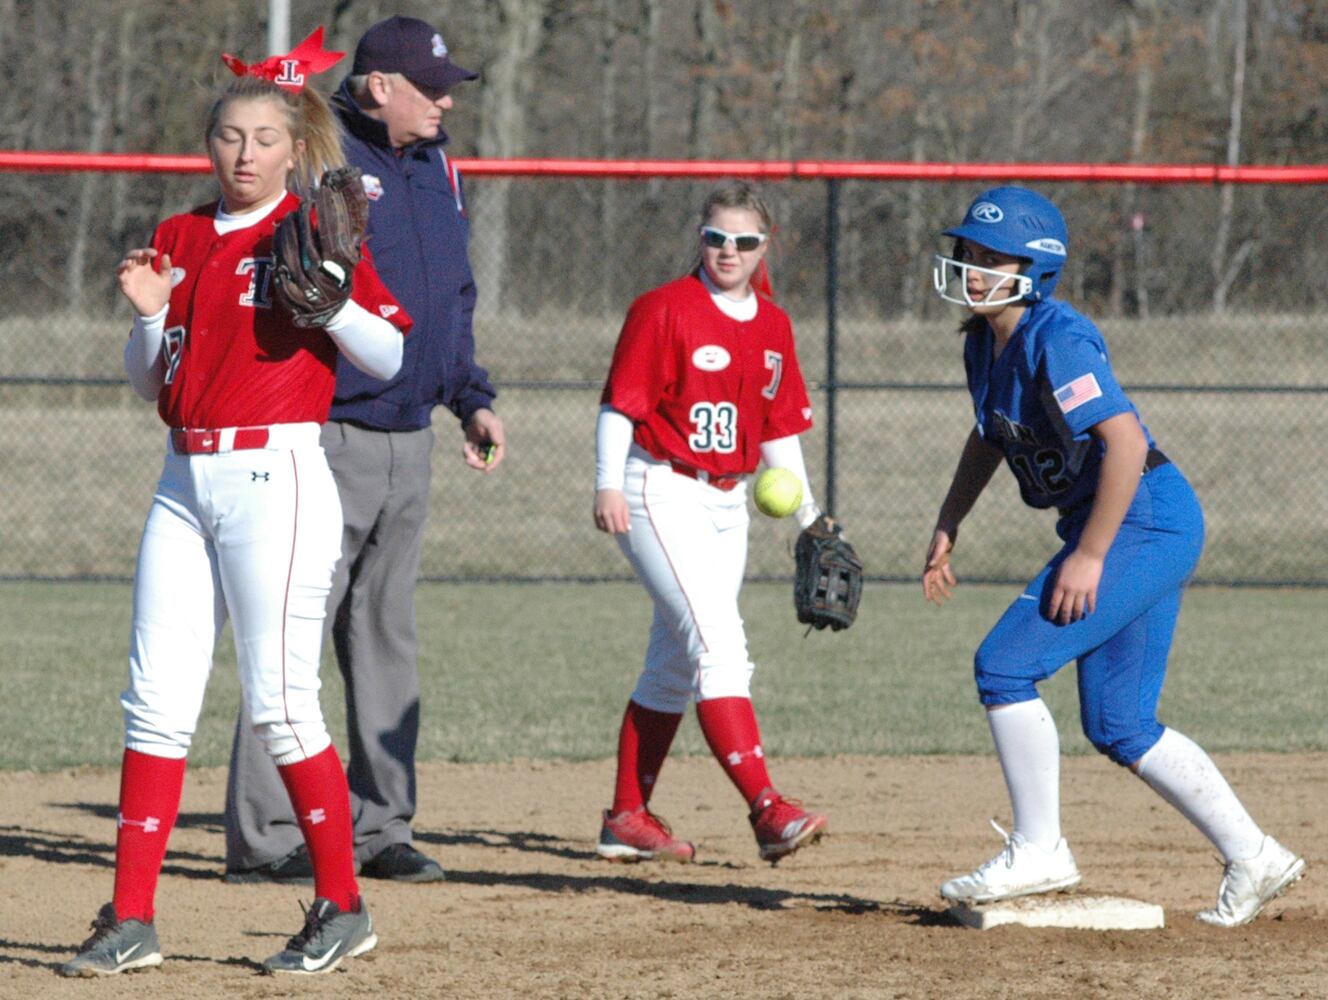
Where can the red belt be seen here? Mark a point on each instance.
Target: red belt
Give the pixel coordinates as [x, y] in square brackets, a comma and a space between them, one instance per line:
[203, 441]
[719, 482]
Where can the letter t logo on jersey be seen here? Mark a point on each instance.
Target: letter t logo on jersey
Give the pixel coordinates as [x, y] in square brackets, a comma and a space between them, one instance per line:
[260, 281]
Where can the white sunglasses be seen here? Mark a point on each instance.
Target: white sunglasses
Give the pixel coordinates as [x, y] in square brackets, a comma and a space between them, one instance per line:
[716, 238]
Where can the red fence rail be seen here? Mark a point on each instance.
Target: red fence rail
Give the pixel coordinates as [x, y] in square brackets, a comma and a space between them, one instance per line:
[1158, 173]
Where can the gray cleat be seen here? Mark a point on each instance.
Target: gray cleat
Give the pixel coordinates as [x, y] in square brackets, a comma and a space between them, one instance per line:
[328, 936]
[115, 946]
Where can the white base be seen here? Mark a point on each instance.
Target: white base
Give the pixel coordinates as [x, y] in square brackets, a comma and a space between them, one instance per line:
[1094, 913]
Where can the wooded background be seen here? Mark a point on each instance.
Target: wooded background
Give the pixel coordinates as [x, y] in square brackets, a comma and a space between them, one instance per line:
[1224, 81]
[1211, 296]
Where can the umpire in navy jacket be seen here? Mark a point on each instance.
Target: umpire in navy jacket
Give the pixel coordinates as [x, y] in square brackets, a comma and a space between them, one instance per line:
[379, 441]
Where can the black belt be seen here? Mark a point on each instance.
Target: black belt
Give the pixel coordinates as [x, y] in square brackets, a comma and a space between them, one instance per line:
[1154, 460]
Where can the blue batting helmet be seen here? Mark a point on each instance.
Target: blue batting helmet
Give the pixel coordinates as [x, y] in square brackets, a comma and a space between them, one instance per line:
[1020, 223]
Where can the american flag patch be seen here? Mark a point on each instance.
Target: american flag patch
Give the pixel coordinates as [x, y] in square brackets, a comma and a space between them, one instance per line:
[1078, 392]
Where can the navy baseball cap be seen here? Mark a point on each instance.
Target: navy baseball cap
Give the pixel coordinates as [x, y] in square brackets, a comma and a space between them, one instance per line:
[408, 46]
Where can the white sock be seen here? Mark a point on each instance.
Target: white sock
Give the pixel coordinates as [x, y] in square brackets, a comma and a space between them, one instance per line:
[1178, 770]
[1029, 750]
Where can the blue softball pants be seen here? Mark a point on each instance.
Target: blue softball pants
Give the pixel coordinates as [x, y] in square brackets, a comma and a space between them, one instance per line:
[1122, 647]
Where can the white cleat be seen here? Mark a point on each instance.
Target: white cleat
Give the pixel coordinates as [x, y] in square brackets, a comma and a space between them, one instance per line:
[1022, 869]
[1250, 885]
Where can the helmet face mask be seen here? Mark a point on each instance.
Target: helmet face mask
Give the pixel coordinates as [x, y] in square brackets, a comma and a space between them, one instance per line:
[1015, 222]
[1017, 287]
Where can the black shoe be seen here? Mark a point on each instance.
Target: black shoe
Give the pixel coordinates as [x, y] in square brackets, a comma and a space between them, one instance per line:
[296, 868]
[402, 863]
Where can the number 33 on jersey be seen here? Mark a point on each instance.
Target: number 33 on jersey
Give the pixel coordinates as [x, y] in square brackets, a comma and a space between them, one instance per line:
[704, 388]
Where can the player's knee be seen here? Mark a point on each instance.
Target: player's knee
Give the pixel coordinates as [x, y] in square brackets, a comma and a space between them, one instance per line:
[724, 677]
[1122, 747]
[998, 678]
[660, 696]
[150, 733]
[287, 742]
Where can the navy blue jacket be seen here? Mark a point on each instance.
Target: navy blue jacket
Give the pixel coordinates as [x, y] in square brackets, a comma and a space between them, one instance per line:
[418, 233]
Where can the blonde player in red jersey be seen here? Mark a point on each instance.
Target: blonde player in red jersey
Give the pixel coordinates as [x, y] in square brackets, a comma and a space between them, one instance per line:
[246, 522]
[704, 384]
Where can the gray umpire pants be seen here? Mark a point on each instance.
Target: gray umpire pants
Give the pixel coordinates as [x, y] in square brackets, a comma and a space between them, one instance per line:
[383, 480]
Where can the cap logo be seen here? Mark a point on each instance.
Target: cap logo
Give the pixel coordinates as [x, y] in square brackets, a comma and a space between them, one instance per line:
[1047, 245]
[985, 211]
[439, 49]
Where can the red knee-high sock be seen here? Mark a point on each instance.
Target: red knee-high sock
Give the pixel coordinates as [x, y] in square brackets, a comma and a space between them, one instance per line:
[643, 743]
[318, 792]
[729, 725]
[149, 802]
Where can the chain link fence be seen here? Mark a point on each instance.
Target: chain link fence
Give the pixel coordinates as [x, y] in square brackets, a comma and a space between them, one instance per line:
[1234, 394]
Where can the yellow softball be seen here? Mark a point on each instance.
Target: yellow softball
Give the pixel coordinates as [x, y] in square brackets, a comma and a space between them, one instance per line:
[778, 492]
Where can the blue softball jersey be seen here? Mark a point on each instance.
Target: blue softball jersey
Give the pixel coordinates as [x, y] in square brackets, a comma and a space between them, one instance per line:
[1038, 399]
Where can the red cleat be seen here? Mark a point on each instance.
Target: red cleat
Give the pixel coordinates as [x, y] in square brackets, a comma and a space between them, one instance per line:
[640, 835]
[782, 826]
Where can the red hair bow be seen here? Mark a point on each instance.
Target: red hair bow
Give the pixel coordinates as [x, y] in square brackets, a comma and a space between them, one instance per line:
[291, 71]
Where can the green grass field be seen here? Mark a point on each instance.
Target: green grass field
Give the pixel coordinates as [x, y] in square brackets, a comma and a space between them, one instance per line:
[544, 670]
[78, 463]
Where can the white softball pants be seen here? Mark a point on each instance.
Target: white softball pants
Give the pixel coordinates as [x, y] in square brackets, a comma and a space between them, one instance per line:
[255, 533]
[688, 545]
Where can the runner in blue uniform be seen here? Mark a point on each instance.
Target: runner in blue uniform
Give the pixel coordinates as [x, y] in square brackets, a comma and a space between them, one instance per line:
[1047, 403]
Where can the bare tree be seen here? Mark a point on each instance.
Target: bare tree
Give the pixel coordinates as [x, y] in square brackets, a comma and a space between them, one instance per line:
[518, 32]
[788, 81]
[705, 83]
[1141, 23]
[99, 103]
[1224, 270]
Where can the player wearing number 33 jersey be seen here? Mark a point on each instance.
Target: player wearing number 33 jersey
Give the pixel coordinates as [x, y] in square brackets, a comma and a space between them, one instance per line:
[703, 386]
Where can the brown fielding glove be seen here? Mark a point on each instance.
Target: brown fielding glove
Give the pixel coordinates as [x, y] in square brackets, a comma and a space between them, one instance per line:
[312, 273]
[827, 581]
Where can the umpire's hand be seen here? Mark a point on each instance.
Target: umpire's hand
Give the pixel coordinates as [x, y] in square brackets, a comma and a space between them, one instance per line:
[485, 443]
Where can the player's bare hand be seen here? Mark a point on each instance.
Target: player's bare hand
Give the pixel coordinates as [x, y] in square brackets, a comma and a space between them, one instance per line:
[938, 579]
[611, 514]
[1075, 593]
[485, 443]
[147, 287]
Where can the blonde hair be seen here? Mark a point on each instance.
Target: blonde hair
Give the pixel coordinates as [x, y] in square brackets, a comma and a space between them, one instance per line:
[737, 194]
[308, 117]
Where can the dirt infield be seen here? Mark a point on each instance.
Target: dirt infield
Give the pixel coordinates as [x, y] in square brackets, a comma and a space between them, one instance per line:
[528, 911]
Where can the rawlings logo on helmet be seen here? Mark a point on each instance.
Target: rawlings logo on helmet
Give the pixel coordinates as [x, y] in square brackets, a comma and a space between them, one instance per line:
[985, 211]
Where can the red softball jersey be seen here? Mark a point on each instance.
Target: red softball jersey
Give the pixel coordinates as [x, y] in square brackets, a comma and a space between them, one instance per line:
[702, 388]
[232, 358]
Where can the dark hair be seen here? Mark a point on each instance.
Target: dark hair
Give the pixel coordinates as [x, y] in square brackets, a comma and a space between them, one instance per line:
[308, 117]
[973, 324]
